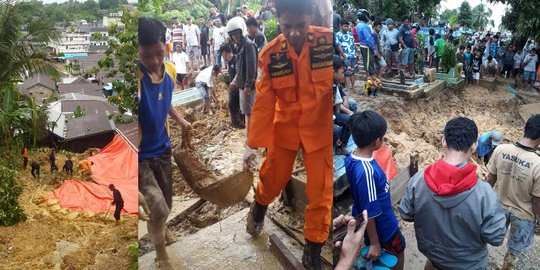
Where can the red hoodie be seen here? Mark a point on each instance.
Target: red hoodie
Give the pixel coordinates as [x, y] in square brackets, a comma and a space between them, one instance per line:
[445, 179]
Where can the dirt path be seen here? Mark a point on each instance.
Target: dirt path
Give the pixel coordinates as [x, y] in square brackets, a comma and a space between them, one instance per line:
[48, 240]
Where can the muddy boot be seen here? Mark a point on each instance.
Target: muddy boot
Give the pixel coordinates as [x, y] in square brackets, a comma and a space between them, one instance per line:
[118, 222]
[509, 261]
[312, 256]
[255, 219]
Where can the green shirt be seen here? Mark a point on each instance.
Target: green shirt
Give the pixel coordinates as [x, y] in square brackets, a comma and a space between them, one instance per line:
[439, 44]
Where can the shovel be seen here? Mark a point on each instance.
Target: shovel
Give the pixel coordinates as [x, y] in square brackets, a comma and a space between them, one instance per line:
[105, 218]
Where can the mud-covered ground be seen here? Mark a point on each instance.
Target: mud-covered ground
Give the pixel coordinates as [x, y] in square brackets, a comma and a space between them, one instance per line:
[417, 125]
[53, 238]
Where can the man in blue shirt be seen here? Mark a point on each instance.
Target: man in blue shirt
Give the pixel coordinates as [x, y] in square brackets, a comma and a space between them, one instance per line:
[487, 142]
[370, 189]
[345, 42]
[367, 43]
[156, 85]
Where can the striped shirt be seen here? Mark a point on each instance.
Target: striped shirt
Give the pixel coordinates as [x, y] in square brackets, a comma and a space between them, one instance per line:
[371, 192]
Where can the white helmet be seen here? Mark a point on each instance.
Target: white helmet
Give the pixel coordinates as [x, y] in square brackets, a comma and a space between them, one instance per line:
[236, 23]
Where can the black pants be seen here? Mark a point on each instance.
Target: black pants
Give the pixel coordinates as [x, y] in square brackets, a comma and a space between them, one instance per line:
[237, 118]
[35, 172]
[53, 166]
[25, 162]
[117, 211]
[507, 69]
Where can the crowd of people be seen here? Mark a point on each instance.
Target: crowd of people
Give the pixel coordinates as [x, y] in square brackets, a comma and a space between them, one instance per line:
[387, 47]
[194, 46]
[455, 214]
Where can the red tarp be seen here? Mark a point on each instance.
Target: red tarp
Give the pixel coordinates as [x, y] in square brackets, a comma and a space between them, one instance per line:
[115, 164]
[384, 158]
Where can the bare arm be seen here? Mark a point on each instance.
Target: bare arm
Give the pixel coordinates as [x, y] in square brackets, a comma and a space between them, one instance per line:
[492, 179]
[345, 109]
[173, 113]
[536, 206]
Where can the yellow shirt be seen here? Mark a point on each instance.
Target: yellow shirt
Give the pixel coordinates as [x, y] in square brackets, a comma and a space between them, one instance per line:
[518, 178]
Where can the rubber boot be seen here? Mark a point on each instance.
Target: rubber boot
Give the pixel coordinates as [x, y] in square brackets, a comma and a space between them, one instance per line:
[509, 261]
[312, 256]
[255, 219]
[118, 222]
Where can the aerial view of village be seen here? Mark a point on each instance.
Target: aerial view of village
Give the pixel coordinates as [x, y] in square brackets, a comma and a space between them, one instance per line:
[68, 174]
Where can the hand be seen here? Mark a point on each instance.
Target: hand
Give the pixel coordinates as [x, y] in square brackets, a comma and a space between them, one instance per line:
[374, 252]
[187, 133]
[144, 212]
[247, 91]
[352, 242]
[251, 158]
[232, 86]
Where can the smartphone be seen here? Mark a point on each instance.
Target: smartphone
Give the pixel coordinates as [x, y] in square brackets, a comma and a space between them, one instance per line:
[340, 231]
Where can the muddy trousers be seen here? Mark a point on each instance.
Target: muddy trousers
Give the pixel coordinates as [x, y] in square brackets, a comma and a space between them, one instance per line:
[276, 172]
[35, 172]
[237, 118]
[155, 183]
[25, 162]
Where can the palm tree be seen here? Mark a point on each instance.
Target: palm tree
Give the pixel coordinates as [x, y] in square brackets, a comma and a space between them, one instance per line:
[482, 17]
[21, 51]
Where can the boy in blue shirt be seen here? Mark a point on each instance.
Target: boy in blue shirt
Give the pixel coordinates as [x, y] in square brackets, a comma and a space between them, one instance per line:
[156, 85]
[370, 189]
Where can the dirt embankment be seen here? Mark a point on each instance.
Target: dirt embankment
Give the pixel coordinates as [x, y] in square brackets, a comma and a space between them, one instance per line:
[52, 238]
[418, 125]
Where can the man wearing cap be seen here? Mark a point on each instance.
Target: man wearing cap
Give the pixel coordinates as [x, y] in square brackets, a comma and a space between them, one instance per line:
[192, 41]
[487, 143]
[118, 201]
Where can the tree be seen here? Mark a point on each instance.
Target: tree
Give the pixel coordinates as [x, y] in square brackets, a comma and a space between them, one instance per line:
[24, 52]
[11, 212]
[121, 58]
[448, 58]
[447, 14]
[110, 4]
[522, 18]
[79, 112]
[481, 17]
[465, 15]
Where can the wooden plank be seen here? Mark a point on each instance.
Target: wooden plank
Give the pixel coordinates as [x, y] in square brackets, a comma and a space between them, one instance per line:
[284, 255]
[398, 185]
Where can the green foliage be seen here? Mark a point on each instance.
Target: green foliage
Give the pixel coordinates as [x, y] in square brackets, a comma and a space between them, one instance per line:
[110, 4]
[23, 52]
[134, 255]
[481, 17]
[121, 58]
[522, 18]
[421, 40]
[390, 8]
[453, 20]
[79, 112]
[448, 58]
[447, 14]
[465, 15]
[270, 29]
[11, 212]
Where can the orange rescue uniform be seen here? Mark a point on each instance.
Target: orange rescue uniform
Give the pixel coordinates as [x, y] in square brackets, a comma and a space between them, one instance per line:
[293, 111]
[25, 153]
[85, 165]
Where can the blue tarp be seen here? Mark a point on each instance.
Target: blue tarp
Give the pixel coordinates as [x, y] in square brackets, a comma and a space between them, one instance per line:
[71, 55]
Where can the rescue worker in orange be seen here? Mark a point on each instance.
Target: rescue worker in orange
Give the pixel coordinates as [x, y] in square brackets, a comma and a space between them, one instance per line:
[293, 111]
[85, 165]
[24, 154]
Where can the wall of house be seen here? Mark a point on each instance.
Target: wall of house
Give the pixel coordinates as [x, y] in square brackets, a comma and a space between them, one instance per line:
[95, 141]
[38, 92]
